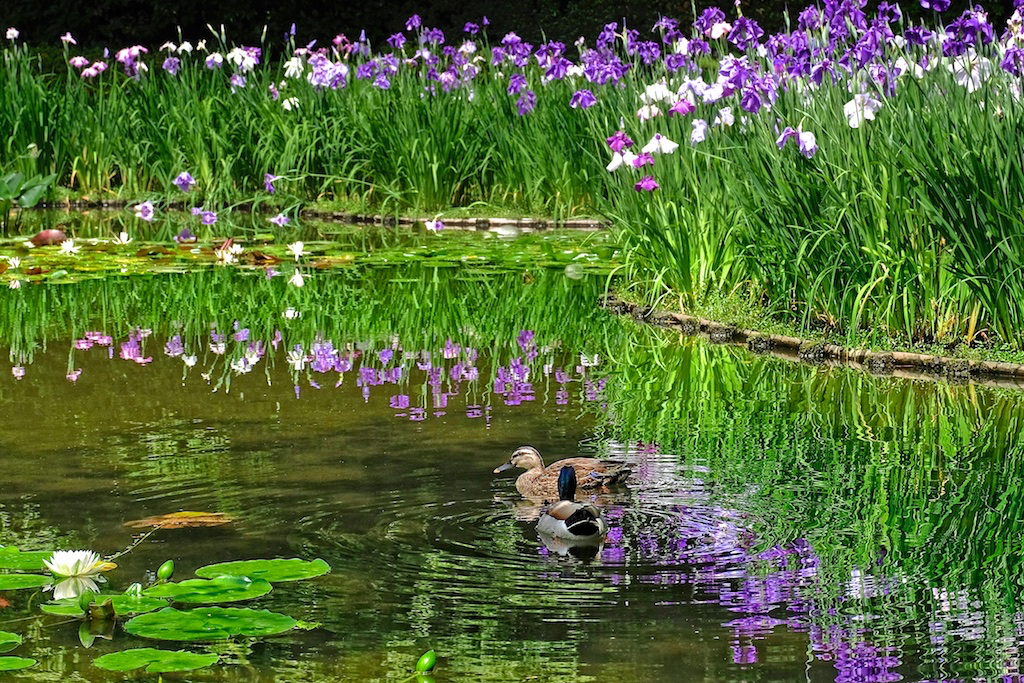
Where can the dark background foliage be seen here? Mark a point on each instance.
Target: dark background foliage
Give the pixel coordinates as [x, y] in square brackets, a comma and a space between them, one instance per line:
[116, 23]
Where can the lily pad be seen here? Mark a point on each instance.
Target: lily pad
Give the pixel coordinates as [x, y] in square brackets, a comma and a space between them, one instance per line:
[293, 569]
[209, 623]
[10, 582]
[155, 661]
[12, 558]
[9, 641]
[123, 604]
[210, 591]
[15, 663]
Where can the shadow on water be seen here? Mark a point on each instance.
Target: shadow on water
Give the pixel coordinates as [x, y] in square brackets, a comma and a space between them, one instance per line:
[782, 522]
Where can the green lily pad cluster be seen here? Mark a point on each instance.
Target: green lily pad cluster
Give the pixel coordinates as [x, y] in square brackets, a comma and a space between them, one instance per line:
[13, 564]
[197, 620]
[9, 641]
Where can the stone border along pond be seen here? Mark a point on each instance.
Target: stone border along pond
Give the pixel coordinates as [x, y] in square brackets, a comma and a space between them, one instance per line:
[890, 363]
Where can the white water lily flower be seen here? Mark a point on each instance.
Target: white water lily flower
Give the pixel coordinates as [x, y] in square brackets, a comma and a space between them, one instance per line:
[76, 585]
[236, 249]
[861, 108]
[291, 313]
[660, 144]
[14, 284]
[13, 261]
[122, 238]
[297, 279]
[76, 563]
[295, 248]
[68, 247]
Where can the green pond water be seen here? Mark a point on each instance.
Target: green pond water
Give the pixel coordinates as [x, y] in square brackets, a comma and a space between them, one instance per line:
[783, 522]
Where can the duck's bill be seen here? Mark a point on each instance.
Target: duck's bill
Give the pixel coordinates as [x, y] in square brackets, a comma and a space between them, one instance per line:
[502, 468]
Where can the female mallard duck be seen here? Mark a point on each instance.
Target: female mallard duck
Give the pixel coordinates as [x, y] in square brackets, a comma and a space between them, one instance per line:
[568, 519]
[537, 480]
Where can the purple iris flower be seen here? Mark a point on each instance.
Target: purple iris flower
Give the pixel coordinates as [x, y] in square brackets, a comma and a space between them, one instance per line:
[397, 40]
[432, 35]
[171, 65]
[471, 28]
[810, 19]
[643, 159]
[280, 220]
[708, 18]
[917, 35]
[1013, 61]
[207, 217]
[582, 99]
[237, 81]
[413, 22]
[268, 182]
[516, 83]
[184, 181]
[619, 141]
[526, 102]
[936, 5]
[745, 33]
[646, 184]
[185, 236]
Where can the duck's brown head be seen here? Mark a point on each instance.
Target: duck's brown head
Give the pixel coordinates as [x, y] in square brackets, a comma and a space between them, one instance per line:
[525, 457]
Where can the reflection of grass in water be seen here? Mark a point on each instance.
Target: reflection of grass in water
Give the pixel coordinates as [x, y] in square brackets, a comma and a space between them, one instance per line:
[927, 471]
[423, 306]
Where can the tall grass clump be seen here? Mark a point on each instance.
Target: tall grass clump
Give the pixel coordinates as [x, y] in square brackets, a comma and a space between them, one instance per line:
[861, 174]
[857, 173]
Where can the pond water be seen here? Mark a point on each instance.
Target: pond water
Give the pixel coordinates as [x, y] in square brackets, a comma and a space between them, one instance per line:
[782, 522]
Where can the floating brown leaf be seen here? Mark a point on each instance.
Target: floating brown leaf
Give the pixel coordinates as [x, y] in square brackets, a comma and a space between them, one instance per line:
[178, 520]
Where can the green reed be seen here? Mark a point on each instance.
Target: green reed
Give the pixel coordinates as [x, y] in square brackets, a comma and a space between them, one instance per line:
[929, 472]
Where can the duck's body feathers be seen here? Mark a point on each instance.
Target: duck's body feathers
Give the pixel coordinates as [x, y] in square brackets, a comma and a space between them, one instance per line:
[568, 519]
[591, 474]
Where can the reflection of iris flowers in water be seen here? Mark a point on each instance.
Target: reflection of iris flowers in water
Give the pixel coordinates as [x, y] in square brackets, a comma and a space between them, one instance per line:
[78, 571]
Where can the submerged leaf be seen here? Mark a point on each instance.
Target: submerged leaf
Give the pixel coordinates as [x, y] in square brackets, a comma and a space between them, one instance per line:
[122, 603]
[9, 582]
[9, 641]
[208, 623]
[177, 520]
[208, 591]
[15, 663]
[293, 569]
[155, 661]
[12, 558]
